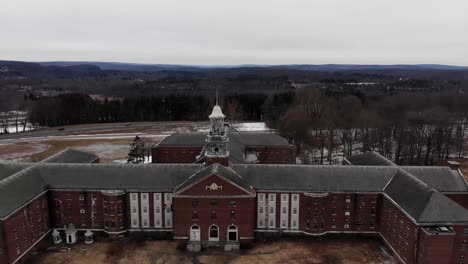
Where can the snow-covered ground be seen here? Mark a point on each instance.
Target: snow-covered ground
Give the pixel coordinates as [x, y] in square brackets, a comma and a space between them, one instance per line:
[252, 126]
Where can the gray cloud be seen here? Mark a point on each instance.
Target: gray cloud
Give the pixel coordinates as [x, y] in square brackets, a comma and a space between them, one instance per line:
[236, 32]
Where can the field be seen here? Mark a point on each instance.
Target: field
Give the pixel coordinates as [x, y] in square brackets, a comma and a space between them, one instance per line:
[111, 145]
[323, 251]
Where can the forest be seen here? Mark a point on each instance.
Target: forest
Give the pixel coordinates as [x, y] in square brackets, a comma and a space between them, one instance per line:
[410, 115]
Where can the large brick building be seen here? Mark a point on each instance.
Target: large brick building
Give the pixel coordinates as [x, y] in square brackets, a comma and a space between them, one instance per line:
[417, 211]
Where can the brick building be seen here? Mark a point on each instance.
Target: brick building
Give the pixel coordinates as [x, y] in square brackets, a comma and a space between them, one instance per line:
[225, 203]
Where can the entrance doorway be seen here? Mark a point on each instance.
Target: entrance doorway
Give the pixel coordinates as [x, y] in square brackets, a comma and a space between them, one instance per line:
[232, 233]
[213, 233]
[195, 233]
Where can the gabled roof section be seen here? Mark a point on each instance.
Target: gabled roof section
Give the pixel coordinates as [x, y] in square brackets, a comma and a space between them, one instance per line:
[71, 156]
[184, 139]
[258, 139]
[9, 168]
[443, 179]
[409, 193]
[220, 171]
[423, 204]
[441, 209]
[369, 158]
[19, 189]
[316, 178]
[109, 176]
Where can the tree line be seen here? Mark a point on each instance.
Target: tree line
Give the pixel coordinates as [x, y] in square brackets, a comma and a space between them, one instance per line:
[68, 109]
[409, 128]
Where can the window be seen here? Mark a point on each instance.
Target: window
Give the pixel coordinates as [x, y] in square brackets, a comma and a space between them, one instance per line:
[272, 210]
[157, 196]
[144, 196]
[81, 197]
[82, 211]
[213, 215]
[145, 209]
[260, 222]
[232, 203]
[134, 197]
[261, 197]
[294, 224]
[295, 197]
[194, 202]
[195, 215]
[272, 197]
[260, 210]
[284, 197]
[214, 203]
[346, 213]
[283, 210]
[158, 210]
[134, 210]
[294, 210]
[233, 215]
[145, 223]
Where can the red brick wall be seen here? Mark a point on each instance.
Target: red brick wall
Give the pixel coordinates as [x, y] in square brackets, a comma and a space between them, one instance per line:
[175, 154]
[25, 227]
[398, 231]
[244, 211]
[459, 247]
[273, 155]
[114, 212]
[461, 199]
[77, 207]
[3, 251]
[317, 213]
[435, 249]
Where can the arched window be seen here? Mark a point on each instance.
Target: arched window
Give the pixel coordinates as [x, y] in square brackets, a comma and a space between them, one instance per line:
[232, 233]
[214, 233]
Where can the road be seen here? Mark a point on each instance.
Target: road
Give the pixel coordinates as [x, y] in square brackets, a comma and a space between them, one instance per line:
[70, 130]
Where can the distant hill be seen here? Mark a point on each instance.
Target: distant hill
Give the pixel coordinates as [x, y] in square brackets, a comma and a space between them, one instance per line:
[301, 67]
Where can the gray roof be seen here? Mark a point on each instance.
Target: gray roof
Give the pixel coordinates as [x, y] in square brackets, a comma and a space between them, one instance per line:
[423, 204]
[184, 139]
[244, 138]
[69, 155]
[236, 143]
[369, 158]
[442, 179]
[258, 139]
[412, 188]
[315, 178]
[221, 171]
[9, 168]
[149, 177]
[18, 189]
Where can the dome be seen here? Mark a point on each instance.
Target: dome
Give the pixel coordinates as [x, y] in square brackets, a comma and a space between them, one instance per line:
[216, 113]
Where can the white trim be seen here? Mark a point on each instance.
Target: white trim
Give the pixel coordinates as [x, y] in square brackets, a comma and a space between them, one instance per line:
[145, 216]
[157, 216]
[168, 221]
[209, 233]
[271, 214]
[284, 218]
[134, 207]
[232, 230]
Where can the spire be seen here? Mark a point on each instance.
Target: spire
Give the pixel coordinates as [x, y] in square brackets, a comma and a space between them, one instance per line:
[216, 95]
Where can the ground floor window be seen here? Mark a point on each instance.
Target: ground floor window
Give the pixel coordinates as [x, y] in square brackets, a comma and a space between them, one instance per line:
[214, 233]
[232, 233]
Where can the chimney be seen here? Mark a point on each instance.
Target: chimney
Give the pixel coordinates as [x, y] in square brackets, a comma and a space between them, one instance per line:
[453, 165]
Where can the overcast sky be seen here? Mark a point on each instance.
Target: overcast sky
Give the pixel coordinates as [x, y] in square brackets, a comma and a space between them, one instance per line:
[236, 31]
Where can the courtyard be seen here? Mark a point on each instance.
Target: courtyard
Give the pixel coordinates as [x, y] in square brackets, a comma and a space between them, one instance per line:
[314, 250]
